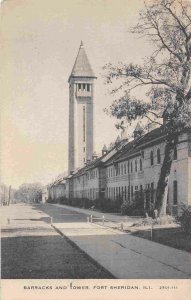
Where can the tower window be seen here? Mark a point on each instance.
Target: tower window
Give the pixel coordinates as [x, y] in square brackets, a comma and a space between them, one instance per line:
[79, 86]
[88, 87]
[84, 126]
[84, 149]
[84, 87]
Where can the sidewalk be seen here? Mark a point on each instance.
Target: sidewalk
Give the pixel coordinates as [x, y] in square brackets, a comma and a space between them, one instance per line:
[124, 255]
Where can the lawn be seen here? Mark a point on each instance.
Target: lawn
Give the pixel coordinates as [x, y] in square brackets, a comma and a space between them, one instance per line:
[47, 256]
[173, 237]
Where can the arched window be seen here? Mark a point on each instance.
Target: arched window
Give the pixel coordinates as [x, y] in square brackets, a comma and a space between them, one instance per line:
[158, 156]
[151, 158]
[141, 165]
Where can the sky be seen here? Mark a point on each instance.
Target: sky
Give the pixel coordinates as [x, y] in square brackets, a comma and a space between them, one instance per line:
[39, 43]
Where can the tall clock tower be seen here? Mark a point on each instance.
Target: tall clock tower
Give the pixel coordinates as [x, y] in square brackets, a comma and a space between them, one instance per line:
[81, 101]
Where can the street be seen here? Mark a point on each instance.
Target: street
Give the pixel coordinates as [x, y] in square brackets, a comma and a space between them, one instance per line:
[31, 248]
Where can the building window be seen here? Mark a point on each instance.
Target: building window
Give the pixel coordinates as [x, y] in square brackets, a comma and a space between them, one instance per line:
[84, 149]
[88, 87]
[118, 170]
[131, 167]
[152, 192]
[158, 156]
[135, 165]
[79, 86]
[84, 123]
[175, 192]
[131, 192]
[121, 169]
[175, 153]
[84, 87]
[141, 165]
[151, 158]
[125, 168]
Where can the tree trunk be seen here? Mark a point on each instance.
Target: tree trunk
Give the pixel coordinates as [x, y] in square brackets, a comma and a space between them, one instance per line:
[162, 187]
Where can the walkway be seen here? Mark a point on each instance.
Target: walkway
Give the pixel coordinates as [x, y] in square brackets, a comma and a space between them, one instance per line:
[122, 254]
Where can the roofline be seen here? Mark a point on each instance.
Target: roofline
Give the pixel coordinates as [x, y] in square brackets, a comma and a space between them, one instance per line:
[72, 76]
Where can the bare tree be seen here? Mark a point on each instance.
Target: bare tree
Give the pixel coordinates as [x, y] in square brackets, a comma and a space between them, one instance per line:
[29, 192]
[165, 77]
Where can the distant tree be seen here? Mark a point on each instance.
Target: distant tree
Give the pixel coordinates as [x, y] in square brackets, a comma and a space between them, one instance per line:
[165, 77]
[29, 192]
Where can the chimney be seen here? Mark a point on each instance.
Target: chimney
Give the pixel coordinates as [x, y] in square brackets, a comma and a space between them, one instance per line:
[94, 156]
[118, 140]
[138, 131]
[124, 135]
[104, 150]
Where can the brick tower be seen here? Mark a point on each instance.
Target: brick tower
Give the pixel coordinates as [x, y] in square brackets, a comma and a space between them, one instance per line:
[81, 99]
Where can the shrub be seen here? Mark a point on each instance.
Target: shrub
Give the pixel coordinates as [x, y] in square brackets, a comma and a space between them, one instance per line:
[185, 219]
[63, 200]
[79, 202]
[49, 200]
[108, 205]
[133, 209]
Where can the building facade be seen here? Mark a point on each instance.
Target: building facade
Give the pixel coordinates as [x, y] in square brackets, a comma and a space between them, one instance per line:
[131, 169]
[81, 101]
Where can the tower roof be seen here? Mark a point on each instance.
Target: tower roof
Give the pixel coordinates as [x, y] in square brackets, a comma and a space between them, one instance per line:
[82, 67]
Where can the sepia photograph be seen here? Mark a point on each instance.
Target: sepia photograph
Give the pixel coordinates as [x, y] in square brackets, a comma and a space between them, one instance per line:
[95, 192]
